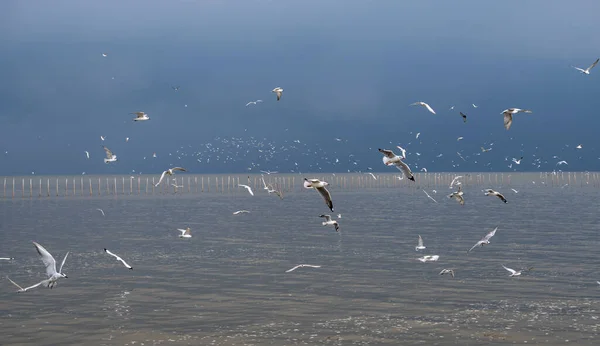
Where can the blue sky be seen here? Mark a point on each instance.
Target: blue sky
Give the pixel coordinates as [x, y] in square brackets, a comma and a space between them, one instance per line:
[349, 70]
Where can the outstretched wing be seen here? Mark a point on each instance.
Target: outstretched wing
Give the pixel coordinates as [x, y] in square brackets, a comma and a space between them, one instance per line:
[327, 196]
[109, 154]
[63, 263]
[162, 176]
[388, 153]
[420, 241]
[47, 258]
[474, 246]
[490, 235]
[594, 64]
[501, 197]
[512, 271]
[429, 108]
[405, 169]
[178, 169]
[507, 120]
[327, 217]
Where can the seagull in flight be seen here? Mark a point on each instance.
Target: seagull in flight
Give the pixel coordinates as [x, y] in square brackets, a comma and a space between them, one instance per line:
[50, 265]
[458, 196]
[247, 188]
[118, 259]
[455, 180]
[253, 102]
[278, 91]
[175, 88]
[485, 240]
[403, 152]
[302, 266]
[515, 191]
[320, 186]
[241, 212]
[100, 210]
[431, 198]
[490, 192]
[329, 222]
[561, 163]
[373, 175]
[140, 116]
[472, 104]
[484, 150]
[169, 172]
[516, 272]
[269, 172]
[87, 154]
[508, 115]
[420, 245]
[429, 258]
[518, 162]
[447, 271]
[464, 116]
[110, 157]
[185, 233]
[389, 158]
[104, 55]
[587, 70]
[6, 258]
[423, 104]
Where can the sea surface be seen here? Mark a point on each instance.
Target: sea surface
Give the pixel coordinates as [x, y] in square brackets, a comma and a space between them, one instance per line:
[227, 285]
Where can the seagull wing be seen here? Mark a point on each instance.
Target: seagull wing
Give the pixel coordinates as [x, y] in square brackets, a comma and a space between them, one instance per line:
[474, 246]
[109, 154]
[162, 176]
[327, 196]
[327, 217]
[247, 188]
[578, 69]
[512, 271]
[182, 231]
[21, 289]
[178, 169]
[428, 108]
[47, 258]
[63, 263]
[420, 243]
[388, 153]
[501, 196]
[291, 270]
[402, 150]
[490, 235]
[405, 169]
[507, 120]
[592, 65]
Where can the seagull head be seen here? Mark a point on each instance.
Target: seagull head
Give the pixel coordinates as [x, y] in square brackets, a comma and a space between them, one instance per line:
[64, 275]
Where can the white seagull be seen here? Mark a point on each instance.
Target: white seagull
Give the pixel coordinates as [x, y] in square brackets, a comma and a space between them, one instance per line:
[587, 70]
[140, 116]
[110, 157]
[169, 172]
[420, 103]
[373, 175]
[579, 146]
[253, 102]
[458, 196]
[302, 266]
[403, 152]
[516, 272]
[329, 222]
[561, 163]
[278, 91]
[518, 162]
[389, 158]
[247, 188]
[490, 192]
[508, 115]
[515, 191]
[6, 258]
[118, 259]
[320, 186]
[420, 245]
[431, 198]
[50, 264]
[87, 154]
[185, 233]
[100, 210]
[241, 212]
[455, 179]
[447, 271]
[429, 258]
[485, 240]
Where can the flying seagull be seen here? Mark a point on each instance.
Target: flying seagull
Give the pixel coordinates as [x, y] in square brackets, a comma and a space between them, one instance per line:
[185, 233]
[87, 154]
[420, 245]
[241, 212]
[516, 272]
[587, 70]
[464, 116]
[484, 150]
[485, 240]
[100, 210]
[6, 258]
[447, 271]
[140, 116]
[389, 158]
[518, 162]
[429, 258]
[278, 91]
[458, 196]
[21, 289]
[247, 188]
[175, 88]
[431, 198]
[508, 115]
[118, 259]
[321, 187]
[372, 175]
[110, 157]
[329, 221]
[169, 172]
[420, 103]
[50, 265]
[490, 192]
[253, 102]
[302, 266]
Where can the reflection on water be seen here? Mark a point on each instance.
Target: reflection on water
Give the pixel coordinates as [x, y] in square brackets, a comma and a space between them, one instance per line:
[227, 284]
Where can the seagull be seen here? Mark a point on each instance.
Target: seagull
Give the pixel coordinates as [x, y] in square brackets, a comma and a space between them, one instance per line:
[403, 152]
[321, 187]
[561, 163]
[455, 179]
[447, 271]
[472, 104]
[490, 192]
[278, 91]
[431, 198]
[269, 172]
[373, 175]
[429, 258]
[102, 211]
[169, 172]
[302, 266]
[177, 187]
[102, 138]
[420, 245]
[50, 265]
[420, 103]
[515, 272]
[104, 55]
[175, 88]
[464, 116]
[417, 136]
[110, 157]
[460, 138]
[339, 216]
[458, 196]
[6, 258]
[485, 240]
[21, 289]
[390, 158]
[140, 116]
[87, 154]
[185, 233]
[328, 221]
[579, 146]
[515, 191]
[247, 188]
[118, 259]
[587, 70]
[518, 162]
[484, 150]
[508, 114]
[253, 102]
[241, 212]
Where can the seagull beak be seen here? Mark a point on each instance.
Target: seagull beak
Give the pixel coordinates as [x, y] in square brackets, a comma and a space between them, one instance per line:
[66, 277]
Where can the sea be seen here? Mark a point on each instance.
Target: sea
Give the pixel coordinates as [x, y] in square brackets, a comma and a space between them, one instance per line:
[227, 285]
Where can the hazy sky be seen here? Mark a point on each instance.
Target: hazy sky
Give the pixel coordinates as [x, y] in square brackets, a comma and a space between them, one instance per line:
[349, 69]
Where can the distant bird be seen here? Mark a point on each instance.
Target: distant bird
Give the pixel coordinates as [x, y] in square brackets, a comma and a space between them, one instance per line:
[429, 258]
[329, 222]
[110, 157]
[102, 138]
[87, 154]
[515, 191]
[140, 116]
[104, 55]
[247, 188]
[269, 172]
[169, 172]
[253, 102]
[579, 146]
[431, 198]
[390, 158]
[420, 245]
[102, 211]
[175, 88]
[447, 271]
[516, 272]
[561, 163]
[339, 216]
[490, 192]
[459, 138]
[241, 212]
[417, 135]
[372, 175]
[278, 91]
[484, 150]
[455, 180]
[320, 186]
[587, 70]
[302, 266]
[485, 240]
[518, 162]
[423, 104]
[21, 289]
[464, 116]
[118, 259]
[508, 115]
[6, 258]
[474, 105]
[458, 196]
[185, 233]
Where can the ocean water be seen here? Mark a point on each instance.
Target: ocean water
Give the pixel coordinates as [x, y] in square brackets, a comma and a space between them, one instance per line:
[227, 284]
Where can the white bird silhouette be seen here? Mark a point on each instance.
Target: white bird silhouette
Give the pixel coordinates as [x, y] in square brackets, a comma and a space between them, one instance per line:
[518, 162]
[490, 192]
[390, 158]
[278, 91]
[447, 271]
[247, 188]
[458, 196]
[110, 157]
[302, 266]
[100, 210]
[508, 115]
[50, 264]
[431, 198]
[320, 186]
[421, 103]
[253, 102]
[516, 272]
[420, 245]
[118, 259]
[515, 191]
[329, 222]
[485, 240]
[169, 172]
[561, 163]
[373, 175]
[87, 154]
[241, 212]
[429, 258]
[587, 70]
[185, 233]
[140, 116]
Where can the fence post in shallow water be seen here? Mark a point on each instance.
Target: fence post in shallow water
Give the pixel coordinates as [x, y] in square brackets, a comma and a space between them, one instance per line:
[40, 188]
[4, 188]
[23, 188]
[115, 186]
[30, 187]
